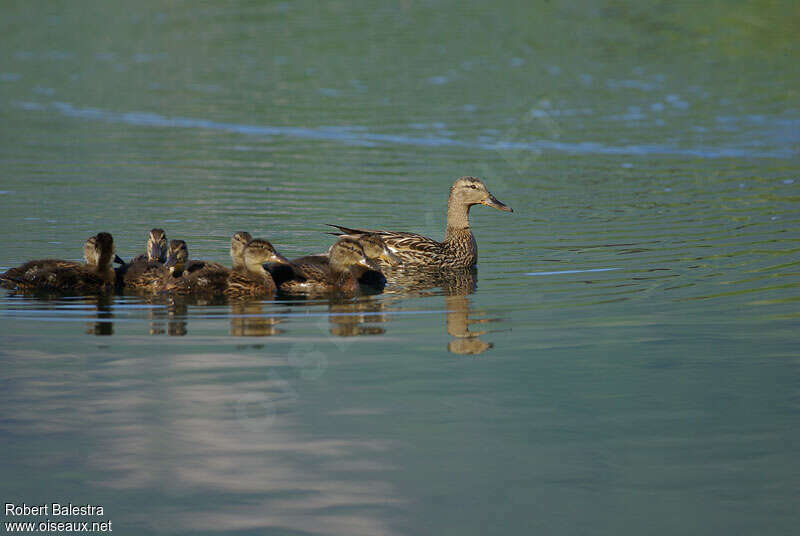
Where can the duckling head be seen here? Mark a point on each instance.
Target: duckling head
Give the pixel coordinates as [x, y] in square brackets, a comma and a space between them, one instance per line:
[375, 248]
[238, 242]
[177, 256]
[259, 252]
[471, 191]
[157, 245]
[90, 253]
[347, 253]
[103, 250]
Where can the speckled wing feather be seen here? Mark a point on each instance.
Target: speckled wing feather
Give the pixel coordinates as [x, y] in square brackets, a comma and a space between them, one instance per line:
[200, 277]
[33, 273]
[314, 267]
[311, 275]
[143, 274]
[242, 283]
[409, 247]
[53, 275]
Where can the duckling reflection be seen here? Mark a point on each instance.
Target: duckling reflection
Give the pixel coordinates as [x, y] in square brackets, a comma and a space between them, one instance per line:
[248, 320]
[104, 324]
[350, 318]
[167, 314]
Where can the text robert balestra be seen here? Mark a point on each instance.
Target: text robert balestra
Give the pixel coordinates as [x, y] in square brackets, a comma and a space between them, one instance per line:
[53, 509]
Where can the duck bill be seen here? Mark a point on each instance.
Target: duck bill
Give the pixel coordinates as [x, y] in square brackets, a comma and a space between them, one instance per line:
[277, 258]
[172, 264]
[492, 201]
[155, 252]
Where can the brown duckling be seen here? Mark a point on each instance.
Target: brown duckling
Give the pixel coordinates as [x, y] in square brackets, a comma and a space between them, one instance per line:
[458, 249]
[189, 277]
[146, 272]
[340, 270]
[254, 280]
[238, 242]
[96, 275]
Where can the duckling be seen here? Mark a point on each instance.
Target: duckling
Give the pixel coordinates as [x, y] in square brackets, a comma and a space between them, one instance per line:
[239, 240]
[340, 271]
[187, 277]
[96, 275]
[458, 249]
[254, 280]
[146, 272]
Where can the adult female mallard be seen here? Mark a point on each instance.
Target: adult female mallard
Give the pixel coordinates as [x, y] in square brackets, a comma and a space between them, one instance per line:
[96, 275]
[253, 279]
[341, 270]
[458, 249]
[146, 272]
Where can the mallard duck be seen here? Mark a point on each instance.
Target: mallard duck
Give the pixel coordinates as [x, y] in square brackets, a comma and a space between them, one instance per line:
[254, 280]
[238, 242]
[189, 277]
[146, 272]
[340, 270]
[458, 249]
[96, 275]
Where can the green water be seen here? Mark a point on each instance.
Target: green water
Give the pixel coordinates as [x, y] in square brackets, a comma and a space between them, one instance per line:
[627, 362]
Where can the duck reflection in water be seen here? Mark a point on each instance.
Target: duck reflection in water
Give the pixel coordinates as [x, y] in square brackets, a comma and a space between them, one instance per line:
[104, 324]
[352, 318]
[248, 320]
[168, 315]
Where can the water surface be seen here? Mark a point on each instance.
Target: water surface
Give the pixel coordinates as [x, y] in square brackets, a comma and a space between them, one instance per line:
[624, 362]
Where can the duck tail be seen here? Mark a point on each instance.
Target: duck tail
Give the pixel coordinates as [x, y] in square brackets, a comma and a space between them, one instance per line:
[345, 230]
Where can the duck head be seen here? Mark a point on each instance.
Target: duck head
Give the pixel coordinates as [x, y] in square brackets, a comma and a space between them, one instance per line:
[177, 257]
[238, 242]
[105, 250]
[470, 191]
[157, 245]
[375, 248]
[259, 252]
[90, 253]
[347, 254]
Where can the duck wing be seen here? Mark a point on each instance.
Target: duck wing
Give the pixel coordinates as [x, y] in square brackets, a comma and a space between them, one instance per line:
[407, 246]
[202, 277]
[143, 274]
[243, 283]
[314, 267]
[40, 274]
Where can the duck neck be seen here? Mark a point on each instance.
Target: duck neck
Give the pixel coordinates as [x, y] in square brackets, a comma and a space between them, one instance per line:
[257, 270]
[106, 271]
[457, 221]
